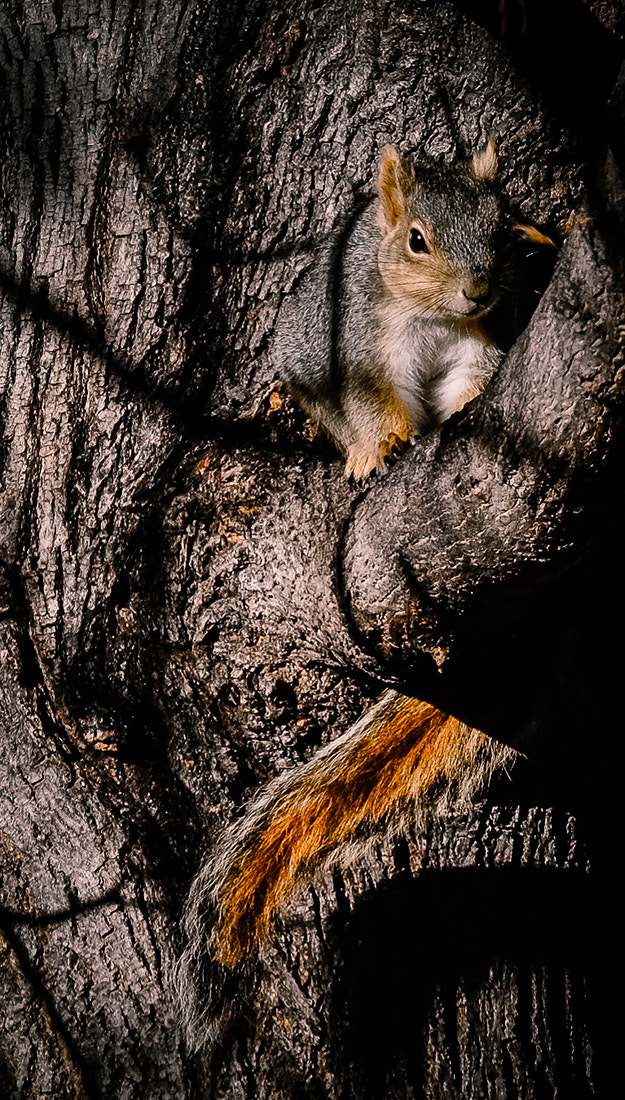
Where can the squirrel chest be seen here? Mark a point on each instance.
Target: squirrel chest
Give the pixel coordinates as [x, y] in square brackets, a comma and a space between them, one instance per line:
[431, 366]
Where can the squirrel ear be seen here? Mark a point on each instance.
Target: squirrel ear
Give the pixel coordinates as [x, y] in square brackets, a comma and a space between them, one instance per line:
[486, 162]
[534, 234]
[395, 182]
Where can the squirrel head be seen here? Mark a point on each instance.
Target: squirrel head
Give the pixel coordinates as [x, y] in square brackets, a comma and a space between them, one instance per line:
[440, 226]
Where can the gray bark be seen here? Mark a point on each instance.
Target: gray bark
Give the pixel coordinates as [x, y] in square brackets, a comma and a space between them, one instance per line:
[193, 597]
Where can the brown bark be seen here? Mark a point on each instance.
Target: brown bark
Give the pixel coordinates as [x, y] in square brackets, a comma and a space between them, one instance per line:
[193, 597]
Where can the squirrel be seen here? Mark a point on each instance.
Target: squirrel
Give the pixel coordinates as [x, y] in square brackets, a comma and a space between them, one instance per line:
[388, 339]
[384, 341]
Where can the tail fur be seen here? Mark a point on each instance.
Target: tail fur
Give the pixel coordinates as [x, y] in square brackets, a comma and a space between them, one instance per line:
[401, 754]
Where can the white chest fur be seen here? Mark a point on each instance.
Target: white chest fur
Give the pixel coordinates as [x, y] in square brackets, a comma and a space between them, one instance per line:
[433, 367]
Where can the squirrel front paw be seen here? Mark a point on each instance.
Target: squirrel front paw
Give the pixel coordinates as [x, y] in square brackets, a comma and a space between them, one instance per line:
[364, 458]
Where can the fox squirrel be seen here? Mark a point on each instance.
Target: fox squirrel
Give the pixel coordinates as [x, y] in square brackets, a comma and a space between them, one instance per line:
[391, 345]
[387, 339]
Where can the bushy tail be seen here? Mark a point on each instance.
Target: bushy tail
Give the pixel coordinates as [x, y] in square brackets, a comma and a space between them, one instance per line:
[401, 753]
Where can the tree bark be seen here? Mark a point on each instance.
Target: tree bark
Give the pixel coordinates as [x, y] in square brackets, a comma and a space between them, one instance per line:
[194, 598]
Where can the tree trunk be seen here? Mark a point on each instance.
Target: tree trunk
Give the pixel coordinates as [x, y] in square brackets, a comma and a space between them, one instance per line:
[193, 597]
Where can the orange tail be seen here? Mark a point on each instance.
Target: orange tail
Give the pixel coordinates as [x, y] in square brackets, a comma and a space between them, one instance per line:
[401, 751]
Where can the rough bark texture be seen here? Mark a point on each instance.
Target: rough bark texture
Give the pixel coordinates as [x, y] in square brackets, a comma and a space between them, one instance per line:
[192, 596]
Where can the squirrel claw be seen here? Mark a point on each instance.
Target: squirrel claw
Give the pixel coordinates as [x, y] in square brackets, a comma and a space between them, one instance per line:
[363, 459]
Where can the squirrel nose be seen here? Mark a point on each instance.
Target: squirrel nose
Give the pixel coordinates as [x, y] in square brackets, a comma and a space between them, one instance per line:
[476, 290]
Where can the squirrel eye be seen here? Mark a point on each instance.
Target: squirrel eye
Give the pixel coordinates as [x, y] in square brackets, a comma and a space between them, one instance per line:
[416, 241]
